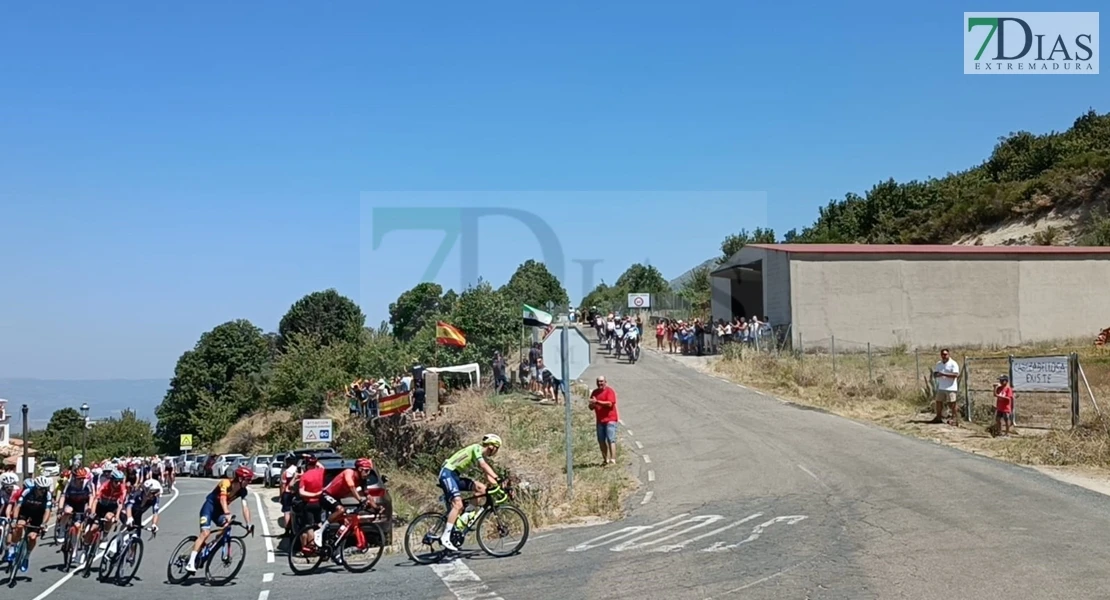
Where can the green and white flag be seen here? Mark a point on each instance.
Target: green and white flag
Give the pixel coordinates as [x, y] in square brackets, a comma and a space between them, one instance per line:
[534, 317]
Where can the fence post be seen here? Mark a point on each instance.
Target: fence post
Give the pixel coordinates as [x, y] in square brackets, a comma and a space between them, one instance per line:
[832, 346]
[1073, 383]
[1013, 404]
[967, 389]
[870, 374]
[917, 362]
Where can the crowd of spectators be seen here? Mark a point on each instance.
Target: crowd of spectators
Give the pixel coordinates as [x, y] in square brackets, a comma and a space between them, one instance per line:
[363, 395]
[698, 338]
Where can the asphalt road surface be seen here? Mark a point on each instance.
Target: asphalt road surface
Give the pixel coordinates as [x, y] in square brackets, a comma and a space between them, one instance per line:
[743, 496]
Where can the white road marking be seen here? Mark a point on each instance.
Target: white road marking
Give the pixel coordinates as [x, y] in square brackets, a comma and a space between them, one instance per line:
[639, 446]
[263, 594]
[463, 583]
[651, 475]
[638, 542]
[719, 530]
[540, 537]
[630, 432]
[759, 581]
[647, 497]
[264, 520]
[267, 577]
[57, 584]
[756, 532]
[620, 534]
[620, 421]
[647, 459]
[815, 478]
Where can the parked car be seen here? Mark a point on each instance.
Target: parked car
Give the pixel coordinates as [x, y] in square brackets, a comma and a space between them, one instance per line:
[376, 487]
[50, 468]
[209, 465]
[273, 475]
[197, 469]
[222, 462]
[260, 464]
[183, 465]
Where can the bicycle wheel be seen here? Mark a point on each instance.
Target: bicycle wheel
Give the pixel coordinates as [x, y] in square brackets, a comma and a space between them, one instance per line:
[299, 562]
[73, 544]
[90, 552]
[422, 548]
[175, 569]
[128, 560]
[17, 559]
[502, 523]
[108, 561]
[229, 556]
[358, 560]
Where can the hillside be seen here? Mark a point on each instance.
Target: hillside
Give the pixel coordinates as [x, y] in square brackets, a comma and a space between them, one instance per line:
[1044, 189]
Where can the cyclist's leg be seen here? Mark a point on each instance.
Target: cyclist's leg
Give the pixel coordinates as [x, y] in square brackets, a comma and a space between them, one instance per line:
[453, 487]
[35, 520]
[207, 520]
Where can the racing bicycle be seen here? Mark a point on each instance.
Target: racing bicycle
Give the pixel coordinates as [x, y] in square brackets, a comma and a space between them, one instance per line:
[125, 551]
[362, 539]
[493, 521]
[90, 549]
[22, 553]
[221, 550]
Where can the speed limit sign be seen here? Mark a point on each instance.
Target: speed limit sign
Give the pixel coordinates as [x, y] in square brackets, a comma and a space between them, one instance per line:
[639, 301]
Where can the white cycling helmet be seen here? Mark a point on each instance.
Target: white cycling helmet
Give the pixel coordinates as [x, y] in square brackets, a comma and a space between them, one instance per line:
[152, 486]
[8, 480]
[42, 481]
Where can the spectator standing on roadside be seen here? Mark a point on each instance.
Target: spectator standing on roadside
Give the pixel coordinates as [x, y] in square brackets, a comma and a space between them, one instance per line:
[1004, 405]
[660, 333]
[419, 396]
[946, 377]
[533, 367]
[603, 401]
[499, 378]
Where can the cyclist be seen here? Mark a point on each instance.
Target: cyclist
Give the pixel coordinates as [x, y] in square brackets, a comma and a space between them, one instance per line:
[347, 484]
[453, 485]
[143, 499]
[33, 508]
[217, 508]
[309, 487]
[154, 471]
[8, 485]
[169, 471]
[106, 506]
[74, 499]
[632, 337]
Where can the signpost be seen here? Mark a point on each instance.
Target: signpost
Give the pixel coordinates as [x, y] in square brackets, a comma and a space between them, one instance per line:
[568, 353]
[316, 430]
[186, 441]
[1040, 374]
[639, 300]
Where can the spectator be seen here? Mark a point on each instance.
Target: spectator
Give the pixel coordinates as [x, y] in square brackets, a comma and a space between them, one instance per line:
[525, 373]
[1004, 405]
[500, 381]
[533, 367]
[946, 376]
[419, 397]
[603, 401]
[660, 333]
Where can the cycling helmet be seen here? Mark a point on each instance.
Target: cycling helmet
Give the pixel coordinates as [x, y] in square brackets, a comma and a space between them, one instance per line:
[8, 480]
[491, 439]
[42, 481]
[82, 473]
[65, 474]
[244, 474]
[118, 475]
[310, 459]
[28, 483]
[364, 463]
[152, 486]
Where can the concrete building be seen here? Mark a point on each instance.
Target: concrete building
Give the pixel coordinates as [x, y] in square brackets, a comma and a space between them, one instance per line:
[890, 295]
[5, 430]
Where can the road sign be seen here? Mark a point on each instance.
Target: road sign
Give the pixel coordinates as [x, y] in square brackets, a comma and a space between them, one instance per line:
[186, 441]
[578, 351]
[639, 301]
[316, 430]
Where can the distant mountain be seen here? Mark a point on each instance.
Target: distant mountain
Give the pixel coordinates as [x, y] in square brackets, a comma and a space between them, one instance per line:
[105, 397]
[678, 282]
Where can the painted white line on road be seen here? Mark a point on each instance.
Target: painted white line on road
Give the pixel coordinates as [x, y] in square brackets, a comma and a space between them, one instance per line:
[264, 520]
[651, 475]
[759, 581]
[647, 459]
[630, 432]
[463, 583]
[647, 497]
[639, 445]
[681, 545]
[540, 537]
[620, 534]
[263, 594]
[267, 577]
[757, 531]
[815, 478]
[57, 584]
[620, 421]
[693, 522]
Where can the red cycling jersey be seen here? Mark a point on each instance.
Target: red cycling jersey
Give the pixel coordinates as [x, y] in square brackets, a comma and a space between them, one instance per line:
[312, 481]
[338, 487]
[112, 492]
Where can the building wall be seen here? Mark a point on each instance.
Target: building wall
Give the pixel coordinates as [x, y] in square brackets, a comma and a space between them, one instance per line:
[923, 301]
[720, 305]
[777, 288]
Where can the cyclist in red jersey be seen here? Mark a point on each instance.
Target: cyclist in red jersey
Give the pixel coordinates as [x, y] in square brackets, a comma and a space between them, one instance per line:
[306, 506]
[107, 503]
[347, 484]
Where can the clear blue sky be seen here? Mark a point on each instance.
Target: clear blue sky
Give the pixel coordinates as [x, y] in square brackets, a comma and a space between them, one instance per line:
[167, 168]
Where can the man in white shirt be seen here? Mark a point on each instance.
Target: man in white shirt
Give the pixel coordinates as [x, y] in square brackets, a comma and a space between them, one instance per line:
[946, 377]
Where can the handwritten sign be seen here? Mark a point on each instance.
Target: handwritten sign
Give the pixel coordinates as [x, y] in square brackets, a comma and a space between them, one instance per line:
[1041, 374]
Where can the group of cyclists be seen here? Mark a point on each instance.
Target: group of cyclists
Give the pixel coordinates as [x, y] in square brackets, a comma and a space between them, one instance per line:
[619, 332]
[119, 491]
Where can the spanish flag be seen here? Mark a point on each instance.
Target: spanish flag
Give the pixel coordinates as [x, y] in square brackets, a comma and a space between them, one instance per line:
[394, 405]
[448, 335]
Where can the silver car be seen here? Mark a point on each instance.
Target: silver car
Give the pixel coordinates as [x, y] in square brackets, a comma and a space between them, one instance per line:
[260, 464]
[223, 464]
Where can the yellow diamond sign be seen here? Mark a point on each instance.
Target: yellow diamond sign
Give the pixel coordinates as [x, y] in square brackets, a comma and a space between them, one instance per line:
[186, 441]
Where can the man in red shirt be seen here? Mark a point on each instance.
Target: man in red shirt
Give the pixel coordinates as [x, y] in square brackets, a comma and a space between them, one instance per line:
[603, 401]
[1004, 405]
[310, 489]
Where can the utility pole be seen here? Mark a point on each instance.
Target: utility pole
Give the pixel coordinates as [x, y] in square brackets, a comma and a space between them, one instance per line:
[26, 444]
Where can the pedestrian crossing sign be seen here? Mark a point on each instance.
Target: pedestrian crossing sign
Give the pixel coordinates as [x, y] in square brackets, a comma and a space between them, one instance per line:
[186, 441]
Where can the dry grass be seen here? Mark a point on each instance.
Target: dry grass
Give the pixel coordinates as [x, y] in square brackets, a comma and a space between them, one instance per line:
[891, 389]
[250, 435]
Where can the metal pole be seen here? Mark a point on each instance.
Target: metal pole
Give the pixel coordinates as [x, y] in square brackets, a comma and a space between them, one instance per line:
[917, 363]
[870, 373]
[1013, 405]
[26, 445]
[1073, 376]
[564, 353]
[832, 346]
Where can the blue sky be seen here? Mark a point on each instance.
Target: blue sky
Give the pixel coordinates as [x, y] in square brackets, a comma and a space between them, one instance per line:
[167, 168]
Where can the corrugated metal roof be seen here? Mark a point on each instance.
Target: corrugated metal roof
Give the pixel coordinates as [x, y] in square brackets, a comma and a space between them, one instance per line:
[928, 249]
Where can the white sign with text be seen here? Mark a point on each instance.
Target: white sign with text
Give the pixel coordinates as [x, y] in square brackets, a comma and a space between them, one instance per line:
[1041, 374]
